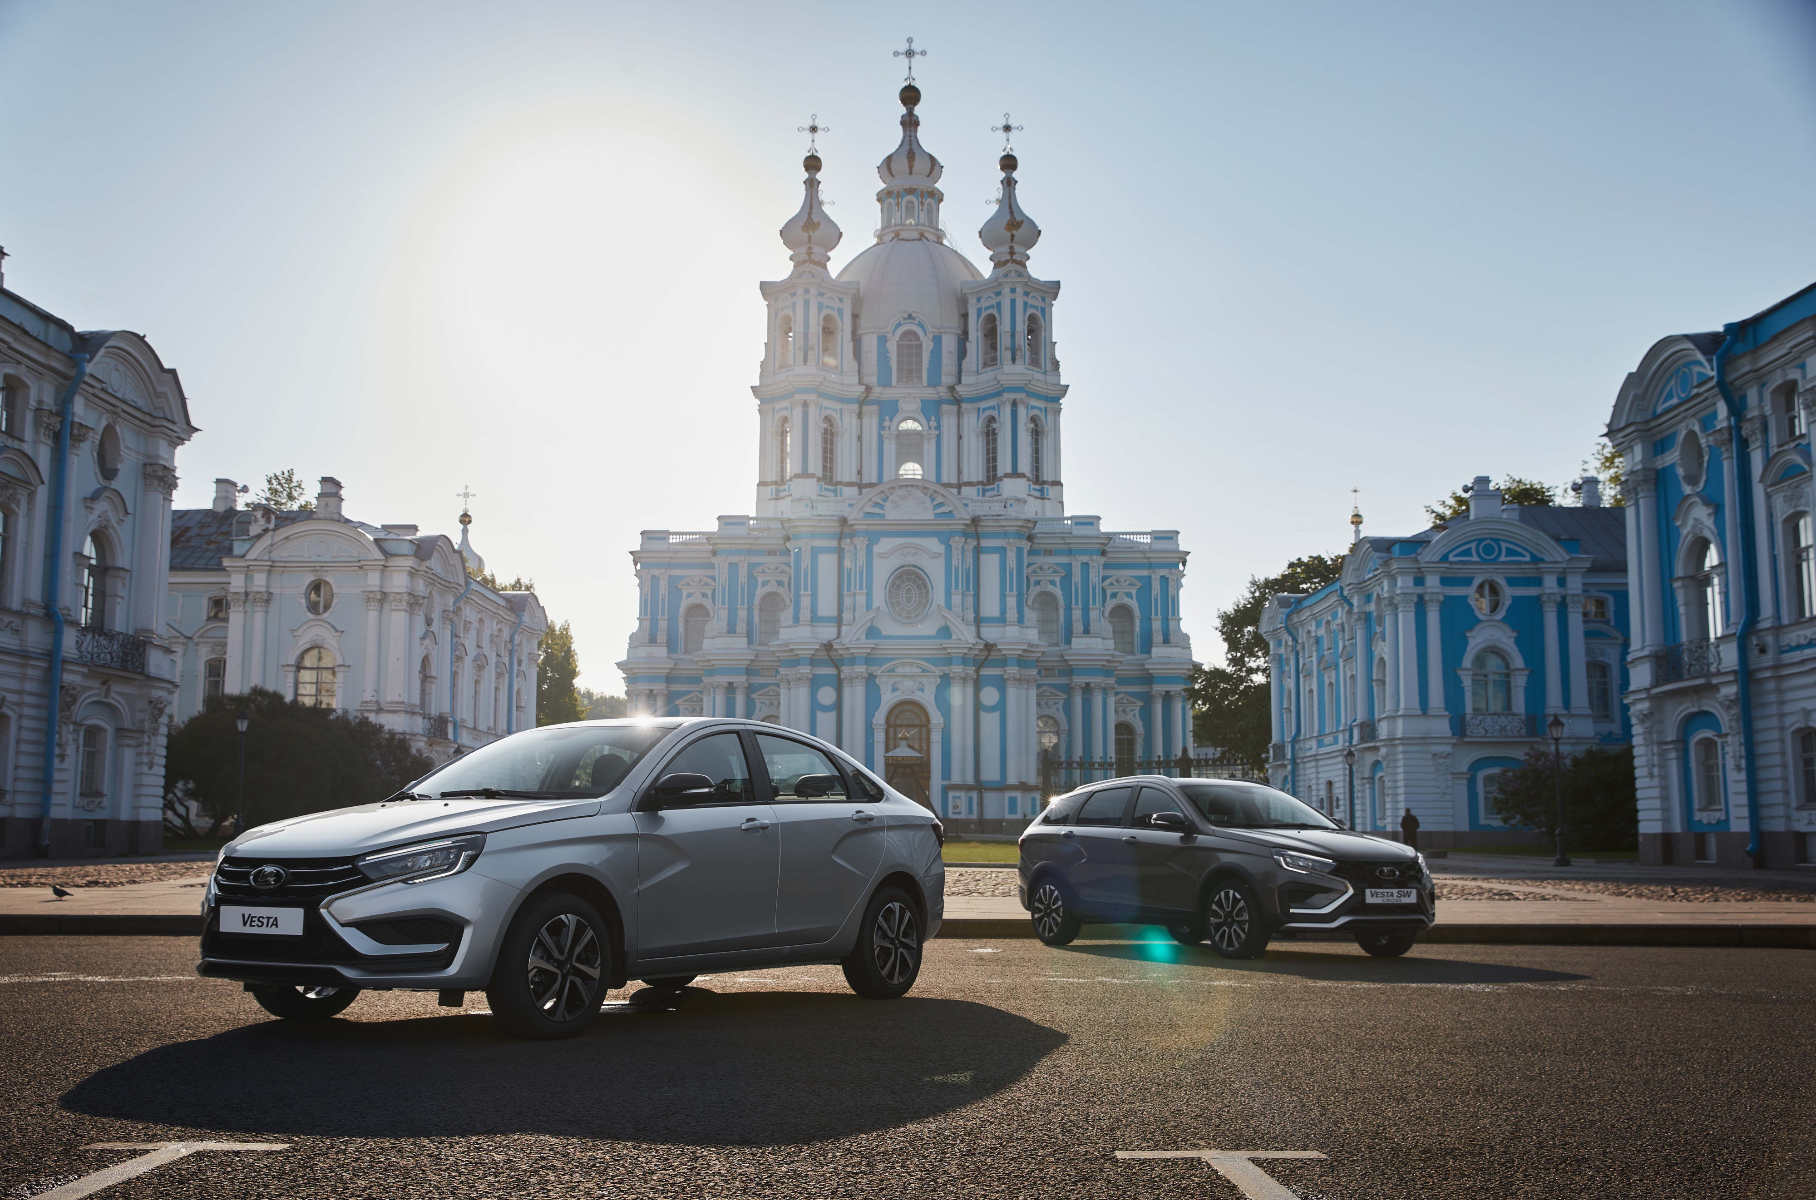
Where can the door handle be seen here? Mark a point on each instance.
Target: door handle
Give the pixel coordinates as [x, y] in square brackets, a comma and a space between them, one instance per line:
[864, 817]
[1130, 840]
[1067, 834]
[754, 825]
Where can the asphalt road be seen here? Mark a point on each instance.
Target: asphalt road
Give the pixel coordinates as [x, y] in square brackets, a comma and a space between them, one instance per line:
[1012, 1070]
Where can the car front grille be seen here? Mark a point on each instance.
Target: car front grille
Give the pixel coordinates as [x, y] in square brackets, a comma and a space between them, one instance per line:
[318, 944]
[305, 878]
[1368, 874]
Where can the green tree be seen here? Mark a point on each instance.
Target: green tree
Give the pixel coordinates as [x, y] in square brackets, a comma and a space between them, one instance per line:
[519, 584]
[1606, 464]
[1514, 490]
[600, 706]
[1601, 803]
[284, 492]
[1230, 703]
[299, 759]
[557, 666]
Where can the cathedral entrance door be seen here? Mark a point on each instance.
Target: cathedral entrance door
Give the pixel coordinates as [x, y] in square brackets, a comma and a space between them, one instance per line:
[908, 763]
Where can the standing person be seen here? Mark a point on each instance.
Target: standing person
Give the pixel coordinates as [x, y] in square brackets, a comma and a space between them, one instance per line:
[1409, 829]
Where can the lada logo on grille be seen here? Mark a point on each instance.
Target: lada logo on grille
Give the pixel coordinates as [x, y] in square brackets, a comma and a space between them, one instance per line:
[269, 876]
[1383, 872]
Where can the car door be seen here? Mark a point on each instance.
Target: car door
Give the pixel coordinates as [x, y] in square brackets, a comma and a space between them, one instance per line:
[706, 872]
[832, 843]
[1166, 861]
[1103, 876]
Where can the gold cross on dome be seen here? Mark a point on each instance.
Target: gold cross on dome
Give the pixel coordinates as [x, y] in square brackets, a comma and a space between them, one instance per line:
[910, 54]
[466, 495]
[813, 129]
[1006, 129]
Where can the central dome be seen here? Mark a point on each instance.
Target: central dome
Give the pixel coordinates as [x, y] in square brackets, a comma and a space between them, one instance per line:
[909, 275]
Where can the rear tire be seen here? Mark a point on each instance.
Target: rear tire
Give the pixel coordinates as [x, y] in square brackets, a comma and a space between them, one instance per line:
[1232, 920]
[670, 983]
[1054, 912]
[551, 972]
[1387, 945]
[887, 959]
[305, 1003]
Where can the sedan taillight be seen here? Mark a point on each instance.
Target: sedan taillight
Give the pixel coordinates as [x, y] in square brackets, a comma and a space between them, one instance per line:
[939, 834]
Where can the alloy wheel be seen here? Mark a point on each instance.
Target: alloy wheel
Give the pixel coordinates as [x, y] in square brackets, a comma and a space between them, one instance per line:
[895, 942]
[564, 967]
[1228, 916]
[1049, 910]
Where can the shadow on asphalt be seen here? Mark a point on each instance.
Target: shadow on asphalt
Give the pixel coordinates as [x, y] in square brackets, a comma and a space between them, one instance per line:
[738, 1068]
[1328, 967]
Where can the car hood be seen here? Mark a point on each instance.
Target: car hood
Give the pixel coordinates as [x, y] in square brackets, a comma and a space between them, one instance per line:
[345, 832]
[1344, 845]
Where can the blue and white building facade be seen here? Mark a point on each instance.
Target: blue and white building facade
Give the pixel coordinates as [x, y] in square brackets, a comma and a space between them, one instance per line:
[1438, 659]
[910, 586]
[1714, 430]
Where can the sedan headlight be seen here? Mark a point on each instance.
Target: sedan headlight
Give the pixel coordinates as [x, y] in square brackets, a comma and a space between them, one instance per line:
[1305, 864]
[424, 861]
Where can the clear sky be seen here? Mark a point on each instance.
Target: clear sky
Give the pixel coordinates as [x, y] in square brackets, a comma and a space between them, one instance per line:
[1305, 247]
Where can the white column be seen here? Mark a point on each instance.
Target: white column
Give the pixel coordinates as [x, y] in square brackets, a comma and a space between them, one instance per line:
[261, 604]
[1390, 631]
[1636, 616]
[1409, 653]
[962, 684]
[375, 602]
[1182, 724]
[1157, 709]
[400, 657]
[1579, 667]
[742, 708]
[1653, 578]
[854, 688]
[235, 682]
[1106, 727]
[1554, 684]
[1434, 653]
[1075, 722]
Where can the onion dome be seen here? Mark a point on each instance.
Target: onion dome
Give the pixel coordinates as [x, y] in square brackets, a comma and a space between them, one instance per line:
[1010, 232]
[811, 234]
[909, 162]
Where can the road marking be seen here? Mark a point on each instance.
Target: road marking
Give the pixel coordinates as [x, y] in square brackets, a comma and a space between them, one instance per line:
[71, 977]
[157, 1154]
[1237, 1166]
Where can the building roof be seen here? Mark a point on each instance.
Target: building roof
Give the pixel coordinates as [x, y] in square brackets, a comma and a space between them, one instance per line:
[1600, 532]
[201, 537]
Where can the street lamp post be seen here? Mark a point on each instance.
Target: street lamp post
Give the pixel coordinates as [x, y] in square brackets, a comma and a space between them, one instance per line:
[1349, 760]
[1555, 727]
[240, 721]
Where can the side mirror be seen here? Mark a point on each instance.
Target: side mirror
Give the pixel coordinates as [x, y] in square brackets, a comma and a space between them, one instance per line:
[812, 787]
[683, 787]
[1172, 821]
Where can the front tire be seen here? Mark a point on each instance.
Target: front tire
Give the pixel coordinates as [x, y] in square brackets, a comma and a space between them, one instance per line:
[1232, 920]
[887, 959]
[305, 1003]
[1387, 945]
[1054, 914]
[551, 972]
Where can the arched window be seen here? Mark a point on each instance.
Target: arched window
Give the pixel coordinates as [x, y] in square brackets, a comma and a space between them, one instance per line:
[1705, 594]
[93, 767]
[1046, 732]
[1122, 629]
[1790, 417]
[693, 628]
[1380, 686]
[1690, 459]
[784, 450]
[989, 349]
[6, 556]
[1125, 748]
[785, 340]
[479, 684]
[318, 597]
[214, 678]
[769, 617]
[1489, 598]
[1800, 553]
[1045, 606]
[829, 343]
[910, 449]
[94, 586]
[1491, 686]
[315, 678]
[1601, 689]
[497, 704]
[1036, 451]
[910, 361]
[1330, 797]
[990, 474]
[12, 406]
[425, 687]
[1705, 754]
[829, 451]
[1037, 355]
[908, 211]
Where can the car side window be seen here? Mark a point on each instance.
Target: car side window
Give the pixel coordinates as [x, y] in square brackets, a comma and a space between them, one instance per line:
[1152, 800]
[1103, 808]
[799, 772]
[863, 787]
[721, 759]
[1060, 810]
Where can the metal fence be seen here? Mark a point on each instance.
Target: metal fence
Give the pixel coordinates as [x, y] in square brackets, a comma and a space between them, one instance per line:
[1495, 725]
[1061, 775]
[1688, 660]
[111, 648]
[436, 726]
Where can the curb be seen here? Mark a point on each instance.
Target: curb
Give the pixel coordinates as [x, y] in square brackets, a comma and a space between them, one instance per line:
[1799, 937]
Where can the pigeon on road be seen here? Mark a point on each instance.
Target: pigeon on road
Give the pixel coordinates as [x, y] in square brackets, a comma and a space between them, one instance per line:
[59, 893]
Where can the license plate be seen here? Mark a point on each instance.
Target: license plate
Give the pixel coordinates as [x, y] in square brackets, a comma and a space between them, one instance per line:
[284, 921]
[1392, 896]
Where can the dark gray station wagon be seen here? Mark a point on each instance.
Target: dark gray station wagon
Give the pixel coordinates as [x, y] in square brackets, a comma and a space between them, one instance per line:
[1219, 860]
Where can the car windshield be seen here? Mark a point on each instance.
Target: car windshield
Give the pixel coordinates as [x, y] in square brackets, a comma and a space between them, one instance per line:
[579, 762]
[1252, 806]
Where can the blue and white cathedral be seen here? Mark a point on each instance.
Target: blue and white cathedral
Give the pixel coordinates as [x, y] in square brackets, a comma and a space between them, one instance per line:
[911, 587]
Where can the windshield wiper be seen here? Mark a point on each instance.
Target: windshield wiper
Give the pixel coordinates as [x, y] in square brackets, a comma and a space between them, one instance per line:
[407, 795]
[492, 793]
